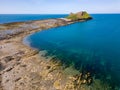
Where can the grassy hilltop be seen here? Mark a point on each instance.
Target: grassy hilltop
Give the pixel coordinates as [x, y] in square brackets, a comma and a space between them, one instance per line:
[79, 16]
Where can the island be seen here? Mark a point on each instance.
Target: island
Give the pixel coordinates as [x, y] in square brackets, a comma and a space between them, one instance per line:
[79, 16]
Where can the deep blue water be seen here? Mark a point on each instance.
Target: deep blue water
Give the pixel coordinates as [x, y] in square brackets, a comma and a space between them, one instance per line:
[8, 18]
[93, 45]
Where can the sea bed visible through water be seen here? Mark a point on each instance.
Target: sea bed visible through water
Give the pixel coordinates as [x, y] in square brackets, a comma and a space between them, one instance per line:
[92, 46]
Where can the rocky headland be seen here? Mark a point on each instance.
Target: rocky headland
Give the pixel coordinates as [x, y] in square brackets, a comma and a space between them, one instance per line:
[23, 68]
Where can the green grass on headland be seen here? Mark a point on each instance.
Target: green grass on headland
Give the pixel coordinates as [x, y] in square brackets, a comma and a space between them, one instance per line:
[79, 16]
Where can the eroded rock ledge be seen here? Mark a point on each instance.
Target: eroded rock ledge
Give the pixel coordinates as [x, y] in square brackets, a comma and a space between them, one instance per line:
[12, 29]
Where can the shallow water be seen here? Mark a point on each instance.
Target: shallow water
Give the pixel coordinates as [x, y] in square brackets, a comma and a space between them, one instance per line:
[91, 46]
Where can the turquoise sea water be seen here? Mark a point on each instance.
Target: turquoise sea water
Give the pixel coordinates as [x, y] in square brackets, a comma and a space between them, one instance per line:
[91, 46]
[8, 18]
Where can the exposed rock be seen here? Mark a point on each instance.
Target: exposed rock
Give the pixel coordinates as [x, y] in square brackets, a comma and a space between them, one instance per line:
[12, 29]
[57, 84]
[8, 59]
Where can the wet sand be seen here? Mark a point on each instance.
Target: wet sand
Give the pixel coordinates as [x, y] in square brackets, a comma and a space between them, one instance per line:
[23, 68]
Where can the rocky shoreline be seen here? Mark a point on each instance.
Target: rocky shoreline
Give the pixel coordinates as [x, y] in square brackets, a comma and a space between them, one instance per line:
[22, 68]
